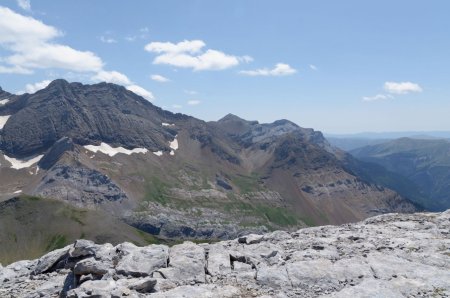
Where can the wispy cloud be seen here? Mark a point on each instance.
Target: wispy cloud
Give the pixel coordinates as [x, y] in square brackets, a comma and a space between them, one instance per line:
[106, 39]
[24, 4]
[112, 77]
[190, 92]
[141, 92]
[159, 78]
[193, 102]
[402, 87]
[33, 88]
[397, 88]
[177, 106]
[378, 97]
[313, 67]
[280, 69]
[143, 33]
[190, 54]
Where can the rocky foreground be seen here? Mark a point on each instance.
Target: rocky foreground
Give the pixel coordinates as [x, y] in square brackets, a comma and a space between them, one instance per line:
[394, 255]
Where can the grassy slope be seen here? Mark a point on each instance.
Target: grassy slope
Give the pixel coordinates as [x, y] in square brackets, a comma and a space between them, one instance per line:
[30, 227]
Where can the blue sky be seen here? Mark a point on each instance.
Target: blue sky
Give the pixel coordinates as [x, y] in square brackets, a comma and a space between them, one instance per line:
[335, 66]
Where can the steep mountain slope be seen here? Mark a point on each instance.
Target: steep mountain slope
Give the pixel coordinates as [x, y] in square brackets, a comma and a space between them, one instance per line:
[87, 114]
[425, 163]
[31, 226]
[103, 147]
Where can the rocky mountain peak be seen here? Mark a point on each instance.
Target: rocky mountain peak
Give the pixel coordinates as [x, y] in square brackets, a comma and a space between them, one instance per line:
[233, 118]
[88, 114]
[58, 83]
[4, 94]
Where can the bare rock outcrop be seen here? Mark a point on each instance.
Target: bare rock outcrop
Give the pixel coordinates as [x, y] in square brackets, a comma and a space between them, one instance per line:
[393, 255]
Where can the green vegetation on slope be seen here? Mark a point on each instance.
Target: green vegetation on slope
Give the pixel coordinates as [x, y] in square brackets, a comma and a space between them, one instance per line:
[247, 184]
[156, 190]
[31, 226]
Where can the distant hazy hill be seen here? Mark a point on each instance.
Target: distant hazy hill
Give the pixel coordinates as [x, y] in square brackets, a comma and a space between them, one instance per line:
[348, 144]
[393, 135]
[426, 163]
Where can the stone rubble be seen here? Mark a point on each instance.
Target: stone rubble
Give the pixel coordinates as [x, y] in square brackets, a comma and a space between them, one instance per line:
[392, 255]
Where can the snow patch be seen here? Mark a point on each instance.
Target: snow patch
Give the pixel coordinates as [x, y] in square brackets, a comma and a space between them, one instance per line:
[4, 101]
[18, 164]
[3, 120]
[173, 145]
[17, 191]
[168, 124]
[158, 153]
[111, 151]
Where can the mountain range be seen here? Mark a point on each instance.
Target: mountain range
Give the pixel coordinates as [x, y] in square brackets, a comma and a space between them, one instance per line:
[424, 163]
[102, 148]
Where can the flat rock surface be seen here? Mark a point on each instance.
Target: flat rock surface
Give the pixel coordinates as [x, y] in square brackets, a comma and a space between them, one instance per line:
[393, 255]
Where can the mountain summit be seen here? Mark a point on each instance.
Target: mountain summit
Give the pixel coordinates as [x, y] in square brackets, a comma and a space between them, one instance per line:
[89, 114]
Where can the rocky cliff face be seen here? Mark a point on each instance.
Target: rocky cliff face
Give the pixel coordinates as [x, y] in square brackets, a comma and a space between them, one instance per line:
[390, 255]
[88, 114]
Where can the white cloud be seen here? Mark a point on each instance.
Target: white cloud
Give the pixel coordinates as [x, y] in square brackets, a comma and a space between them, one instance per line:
[280, 69]
[159, 78]
[14, 69]
[402, 87]
[111, 77]
[190, 92]
[32, 88]
[24, 4]
[186, 46]
[193, 102]
[31, 45]
[190, 54]
[313, 67]
[55, 56]
[246, 59]
[175, 106]
[377, 97]
[105, 39]
[141, 92]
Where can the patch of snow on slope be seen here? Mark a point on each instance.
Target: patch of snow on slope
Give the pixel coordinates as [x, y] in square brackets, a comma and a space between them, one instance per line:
[167, 124]
[18, 164]
[174, 146]
[158, 153]
[3, 120]
[4, 101]
[17, 191]
[111, 151]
